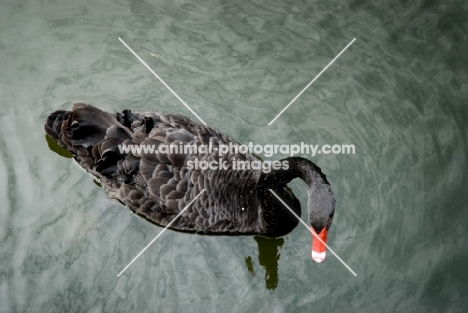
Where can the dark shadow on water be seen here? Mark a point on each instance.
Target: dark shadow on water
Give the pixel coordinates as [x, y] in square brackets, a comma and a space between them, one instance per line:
[268, 256]
[250, 266]
[54, 146]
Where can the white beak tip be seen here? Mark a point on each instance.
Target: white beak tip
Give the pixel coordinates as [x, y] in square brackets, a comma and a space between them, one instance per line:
[318, 256]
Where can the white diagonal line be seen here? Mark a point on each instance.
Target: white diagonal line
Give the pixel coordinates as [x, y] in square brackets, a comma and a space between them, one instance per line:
[162, 231]
[162, 81]
[314, 234]
[313, 80]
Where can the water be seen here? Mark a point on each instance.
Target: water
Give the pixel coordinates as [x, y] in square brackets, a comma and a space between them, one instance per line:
[398, 93]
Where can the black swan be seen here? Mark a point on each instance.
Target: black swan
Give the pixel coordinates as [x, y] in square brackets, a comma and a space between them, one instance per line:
[157, 186]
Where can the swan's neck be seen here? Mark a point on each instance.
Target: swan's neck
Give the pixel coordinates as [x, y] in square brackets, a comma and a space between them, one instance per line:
[297, 168]
[277, 219]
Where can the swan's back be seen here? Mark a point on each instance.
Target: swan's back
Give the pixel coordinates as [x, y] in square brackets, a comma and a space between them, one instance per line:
[157, 185]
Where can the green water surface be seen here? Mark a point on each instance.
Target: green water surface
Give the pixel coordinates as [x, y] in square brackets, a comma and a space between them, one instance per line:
[399, 94]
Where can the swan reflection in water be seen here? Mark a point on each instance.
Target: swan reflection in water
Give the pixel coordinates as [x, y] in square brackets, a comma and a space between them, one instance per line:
[268, 257]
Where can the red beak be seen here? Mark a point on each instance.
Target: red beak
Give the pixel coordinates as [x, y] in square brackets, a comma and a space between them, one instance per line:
[318, 244]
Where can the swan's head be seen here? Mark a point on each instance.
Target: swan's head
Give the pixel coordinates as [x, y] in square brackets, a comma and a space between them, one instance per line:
[321, 208]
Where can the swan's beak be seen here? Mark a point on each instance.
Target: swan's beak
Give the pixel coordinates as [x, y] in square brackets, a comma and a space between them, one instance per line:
[318, 244]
